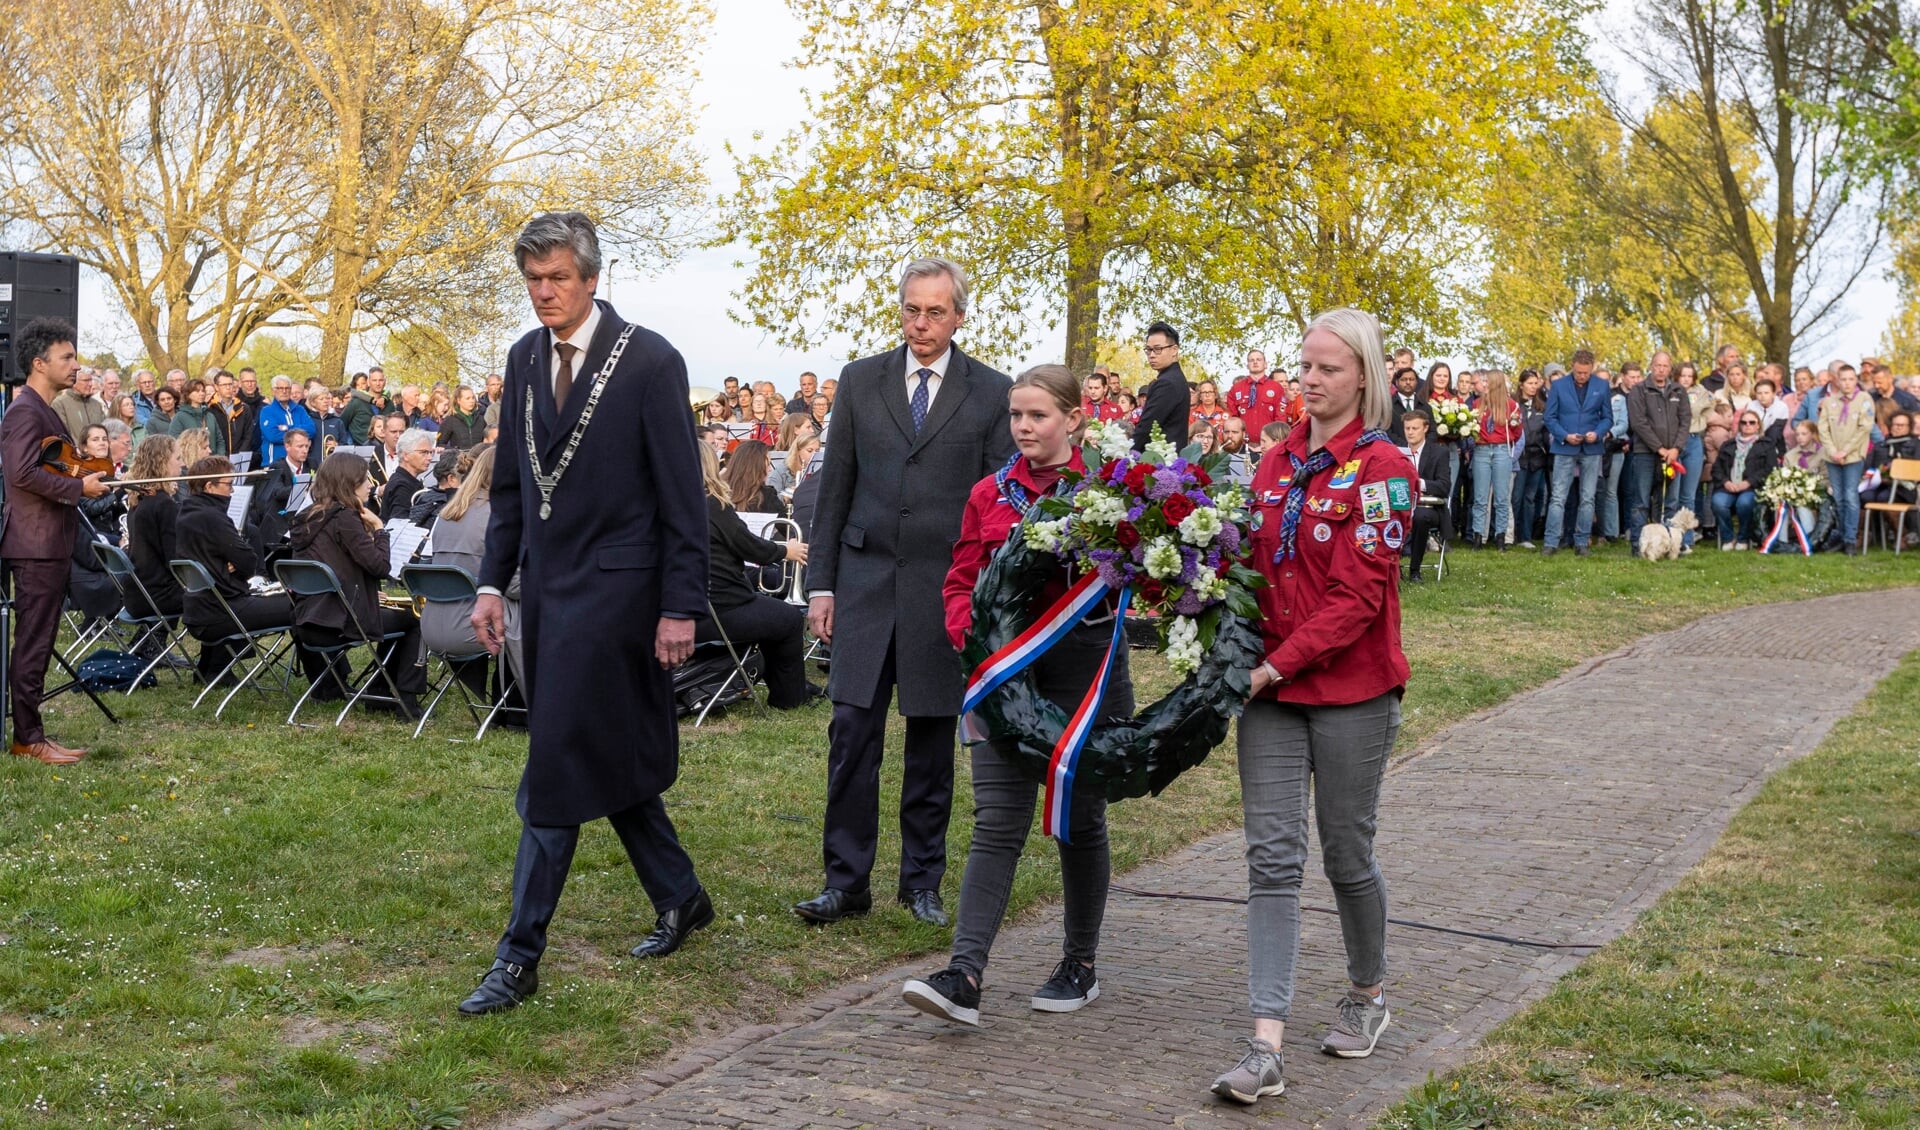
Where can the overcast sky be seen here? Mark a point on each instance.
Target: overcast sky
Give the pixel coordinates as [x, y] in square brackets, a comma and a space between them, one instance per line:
[744, 88]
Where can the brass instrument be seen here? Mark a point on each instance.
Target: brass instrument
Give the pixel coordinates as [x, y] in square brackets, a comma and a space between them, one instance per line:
[795, 591]
[327, 444]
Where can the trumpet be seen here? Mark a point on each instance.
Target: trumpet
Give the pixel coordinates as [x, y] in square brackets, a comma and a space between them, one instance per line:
[794, 591]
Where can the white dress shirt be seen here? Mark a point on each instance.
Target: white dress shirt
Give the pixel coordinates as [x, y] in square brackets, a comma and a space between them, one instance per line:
[939, 367]
[1413, 454]
[580, 338]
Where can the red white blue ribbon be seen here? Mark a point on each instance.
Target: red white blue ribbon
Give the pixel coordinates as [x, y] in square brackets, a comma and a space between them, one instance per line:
[1782, 522]
[1085, 595]
[1056, 814]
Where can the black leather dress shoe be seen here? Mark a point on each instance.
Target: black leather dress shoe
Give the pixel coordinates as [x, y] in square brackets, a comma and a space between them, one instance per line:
[671, 929]
[504, 986]
[832, 905]
[926, 906]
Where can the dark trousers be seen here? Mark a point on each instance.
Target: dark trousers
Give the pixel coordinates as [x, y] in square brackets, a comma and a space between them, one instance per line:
[855, 742]
[546, 855]
[39, 590]
[206, 623]
[404, 659]
[778, 629]
[1426, 519]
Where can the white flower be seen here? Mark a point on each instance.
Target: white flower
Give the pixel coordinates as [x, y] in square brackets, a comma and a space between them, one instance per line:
[1160, 452]
[1162, 559]
[1200, 527]
[1208, 584]
[1045, 536]
[1183, 645]
[1114, 441]
[1102, 507]
[1442, 429]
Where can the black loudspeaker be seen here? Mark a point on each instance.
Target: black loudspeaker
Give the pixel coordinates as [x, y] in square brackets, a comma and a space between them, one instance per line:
[34, 286]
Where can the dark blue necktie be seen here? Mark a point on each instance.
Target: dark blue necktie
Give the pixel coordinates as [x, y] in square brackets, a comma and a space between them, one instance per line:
[919, 404]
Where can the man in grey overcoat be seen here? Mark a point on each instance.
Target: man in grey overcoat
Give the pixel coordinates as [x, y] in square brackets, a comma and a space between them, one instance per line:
[913, 430]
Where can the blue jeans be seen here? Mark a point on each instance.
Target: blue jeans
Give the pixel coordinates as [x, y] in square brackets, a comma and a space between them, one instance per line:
[1843, 479]
[1645, 482]
[1727, 507]
[1530, 502]
[1564, 467]
[1492, 478]
[1691, 457]
[1606, 503]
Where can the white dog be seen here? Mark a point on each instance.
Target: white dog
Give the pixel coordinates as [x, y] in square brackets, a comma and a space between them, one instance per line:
[1658, 541]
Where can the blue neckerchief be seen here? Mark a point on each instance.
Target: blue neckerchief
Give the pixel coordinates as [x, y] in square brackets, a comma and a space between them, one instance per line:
[1303, 472]
[1016, 492]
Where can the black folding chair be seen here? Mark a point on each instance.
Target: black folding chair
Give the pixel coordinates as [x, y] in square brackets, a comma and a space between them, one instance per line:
[133, 594]
[316, 580]
[450, 584]
[194, 580]
[691, 682]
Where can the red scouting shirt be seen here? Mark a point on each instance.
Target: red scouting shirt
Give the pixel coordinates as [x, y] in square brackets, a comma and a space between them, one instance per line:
[1330, 614]
[1261, 403]
[984, 527]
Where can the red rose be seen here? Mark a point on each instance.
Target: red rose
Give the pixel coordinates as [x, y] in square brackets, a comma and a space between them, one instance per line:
[1136, 480]
[1200, 476]
[1176, 508]
[1107, 469]
[1153, 590]
[1127, 536]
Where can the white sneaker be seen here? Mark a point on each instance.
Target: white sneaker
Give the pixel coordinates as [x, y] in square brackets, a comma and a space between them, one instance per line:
[1739, 547]
[1526, 545]
[1726, 547]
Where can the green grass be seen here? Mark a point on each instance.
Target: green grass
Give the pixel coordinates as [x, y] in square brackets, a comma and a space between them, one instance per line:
[1778, 984]
[231, 923]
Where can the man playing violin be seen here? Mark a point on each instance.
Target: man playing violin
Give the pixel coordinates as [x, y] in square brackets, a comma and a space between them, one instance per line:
[38, 524]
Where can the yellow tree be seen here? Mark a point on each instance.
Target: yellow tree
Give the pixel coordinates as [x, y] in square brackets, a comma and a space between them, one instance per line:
[447, 123]
[150, 139]
[1217, 163]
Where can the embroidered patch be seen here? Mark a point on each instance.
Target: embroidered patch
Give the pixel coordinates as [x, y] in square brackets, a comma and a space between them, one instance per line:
[1399, 494]
[1343, 478]
[1373, 502]
[1273, 498]
[1394, 534]
[1366, 535]
[1322, 532]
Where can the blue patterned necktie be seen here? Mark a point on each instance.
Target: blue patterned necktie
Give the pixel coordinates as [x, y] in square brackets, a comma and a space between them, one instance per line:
[920, 398]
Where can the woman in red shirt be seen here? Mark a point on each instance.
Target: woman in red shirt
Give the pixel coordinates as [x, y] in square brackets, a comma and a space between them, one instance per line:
[1332, 506]
[1208, 410]
[1046, 412]
[1500, 426]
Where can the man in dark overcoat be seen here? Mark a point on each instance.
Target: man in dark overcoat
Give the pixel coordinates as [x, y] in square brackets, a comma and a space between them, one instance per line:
[611, 549]
[913, 430]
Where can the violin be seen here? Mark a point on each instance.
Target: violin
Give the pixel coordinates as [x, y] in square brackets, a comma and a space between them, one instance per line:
[57, 454]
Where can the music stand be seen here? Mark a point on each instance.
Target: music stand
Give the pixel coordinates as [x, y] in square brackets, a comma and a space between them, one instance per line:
[6, 627]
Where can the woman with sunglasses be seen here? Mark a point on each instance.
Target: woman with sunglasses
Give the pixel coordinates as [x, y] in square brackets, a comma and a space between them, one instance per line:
[1743, 464]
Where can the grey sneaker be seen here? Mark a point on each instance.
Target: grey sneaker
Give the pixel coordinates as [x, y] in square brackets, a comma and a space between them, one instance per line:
[1359, 1027]
[1256, 1076]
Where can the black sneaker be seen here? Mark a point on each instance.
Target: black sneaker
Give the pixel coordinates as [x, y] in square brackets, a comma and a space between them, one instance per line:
[946, 994]
[1072, 986]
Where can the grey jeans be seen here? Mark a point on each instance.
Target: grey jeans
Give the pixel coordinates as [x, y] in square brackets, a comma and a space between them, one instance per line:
[1341, 751]
[1003, 801]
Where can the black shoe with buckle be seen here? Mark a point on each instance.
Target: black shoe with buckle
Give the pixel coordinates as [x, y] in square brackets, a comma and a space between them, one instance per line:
[925, 906]
[670, 932]
[504, 987]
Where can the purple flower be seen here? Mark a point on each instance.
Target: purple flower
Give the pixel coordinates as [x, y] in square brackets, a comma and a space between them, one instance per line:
[1229, 538]
[1166, 482]
[1133, 515]
[1189, 563]
[1189, 604]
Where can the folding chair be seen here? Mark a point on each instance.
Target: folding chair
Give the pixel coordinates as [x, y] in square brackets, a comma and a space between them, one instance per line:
[133, 594]
[1443, 533]
[705, 654]
[194, 580]
[317, 579]
[450, 584]
[1901, 473]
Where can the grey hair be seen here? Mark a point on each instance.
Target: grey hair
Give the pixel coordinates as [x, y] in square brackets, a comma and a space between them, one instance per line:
[412, 438]
[931, 267]
[281, 379]
[550, 231]
[117, 428]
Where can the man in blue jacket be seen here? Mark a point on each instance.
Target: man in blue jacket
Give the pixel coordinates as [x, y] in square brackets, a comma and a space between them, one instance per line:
[1579, 416]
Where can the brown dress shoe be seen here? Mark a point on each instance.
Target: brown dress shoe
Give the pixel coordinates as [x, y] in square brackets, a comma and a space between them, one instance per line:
[76, 754]
[48, 752]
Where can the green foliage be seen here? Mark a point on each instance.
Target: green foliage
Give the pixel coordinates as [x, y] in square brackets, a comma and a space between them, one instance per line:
[1220, 165]
[270, 354]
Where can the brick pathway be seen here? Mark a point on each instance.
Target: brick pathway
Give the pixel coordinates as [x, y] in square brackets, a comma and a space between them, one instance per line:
[1559, 815]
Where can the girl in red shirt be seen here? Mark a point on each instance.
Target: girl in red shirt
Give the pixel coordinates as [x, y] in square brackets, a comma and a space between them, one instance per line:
[1332, 506]
[1500, 426]
[1046, 412]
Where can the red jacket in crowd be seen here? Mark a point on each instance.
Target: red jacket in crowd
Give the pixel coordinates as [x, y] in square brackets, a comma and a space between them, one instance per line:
[1103, 411]
[984, 527]
[1330, 614]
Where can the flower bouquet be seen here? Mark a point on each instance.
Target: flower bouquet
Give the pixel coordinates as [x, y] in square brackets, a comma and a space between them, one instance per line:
[1791, 489]
[1452, 419]
[1152, 531]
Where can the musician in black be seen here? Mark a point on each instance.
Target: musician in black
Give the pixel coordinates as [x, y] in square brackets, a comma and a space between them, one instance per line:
[749, 616]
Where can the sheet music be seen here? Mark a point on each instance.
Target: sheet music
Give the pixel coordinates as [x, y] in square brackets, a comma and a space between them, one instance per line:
[363, 452]
[742, 431]
[242, 461]
[403, 541]
[237, 506]
[301, 496]
[757, 523]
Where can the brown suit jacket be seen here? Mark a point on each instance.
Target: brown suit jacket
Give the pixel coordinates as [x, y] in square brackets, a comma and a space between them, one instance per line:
[39, 519]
